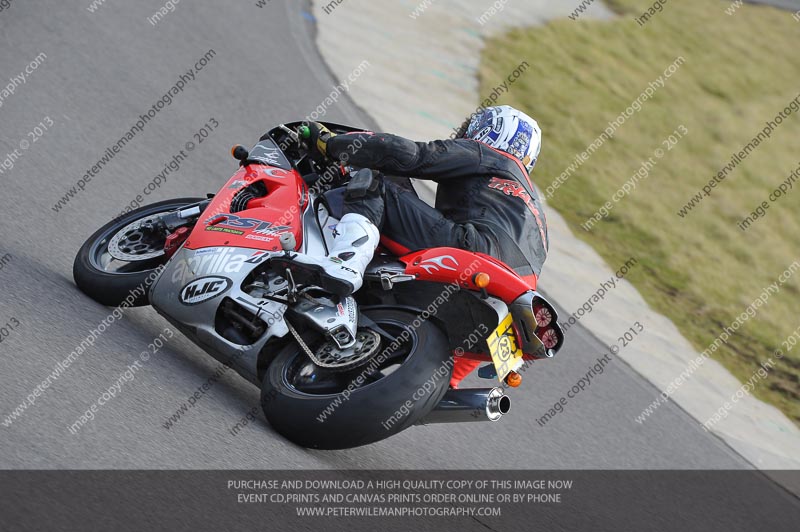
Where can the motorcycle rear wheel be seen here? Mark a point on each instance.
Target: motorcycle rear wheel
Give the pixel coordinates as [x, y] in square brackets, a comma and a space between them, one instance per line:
[109, 281]
[312, 407]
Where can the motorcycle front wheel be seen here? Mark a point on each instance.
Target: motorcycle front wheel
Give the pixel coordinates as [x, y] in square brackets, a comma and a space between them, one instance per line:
[323, 409]
[110, 280]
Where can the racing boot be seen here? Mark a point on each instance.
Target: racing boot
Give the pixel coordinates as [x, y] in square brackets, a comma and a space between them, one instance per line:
[342, 271]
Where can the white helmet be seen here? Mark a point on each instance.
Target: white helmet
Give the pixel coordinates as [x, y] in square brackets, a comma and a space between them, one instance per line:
[509, 130]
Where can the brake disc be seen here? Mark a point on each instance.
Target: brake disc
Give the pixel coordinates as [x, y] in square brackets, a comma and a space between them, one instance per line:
[134, 243]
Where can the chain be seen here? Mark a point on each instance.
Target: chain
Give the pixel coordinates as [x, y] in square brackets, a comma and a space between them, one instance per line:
[307, 350]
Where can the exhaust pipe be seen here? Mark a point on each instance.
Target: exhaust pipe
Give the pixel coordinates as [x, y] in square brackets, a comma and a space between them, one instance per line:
[476, 404]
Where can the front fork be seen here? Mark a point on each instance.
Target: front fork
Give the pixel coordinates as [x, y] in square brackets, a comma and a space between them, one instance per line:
[177, 225]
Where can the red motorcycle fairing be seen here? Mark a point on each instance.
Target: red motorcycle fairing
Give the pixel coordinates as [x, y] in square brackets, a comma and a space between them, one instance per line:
[260, 225]
[453, 265]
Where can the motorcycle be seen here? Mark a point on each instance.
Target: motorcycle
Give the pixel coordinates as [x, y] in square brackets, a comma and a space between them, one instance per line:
[334, 372]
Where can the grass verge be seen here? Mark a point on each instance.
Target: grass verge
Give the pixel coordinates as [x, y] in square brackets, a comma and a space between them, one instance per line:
[701, 269]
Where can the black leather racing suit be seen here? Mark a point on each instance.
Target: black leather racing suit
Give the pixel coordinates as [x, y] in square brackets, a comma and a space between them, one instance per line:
[485, 201]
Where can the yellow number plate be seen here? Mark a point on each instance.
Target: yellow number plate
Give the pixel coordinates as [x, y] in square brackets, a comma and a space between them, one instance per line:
[506, 354]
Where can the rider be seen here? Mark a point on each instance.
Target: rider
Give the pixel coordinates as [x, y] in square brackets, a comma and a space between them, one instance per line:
[485, 201]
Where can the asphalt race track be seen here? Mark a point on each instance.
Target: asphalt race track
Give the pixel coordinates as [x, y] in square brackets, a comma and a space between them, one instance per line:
[101, 72]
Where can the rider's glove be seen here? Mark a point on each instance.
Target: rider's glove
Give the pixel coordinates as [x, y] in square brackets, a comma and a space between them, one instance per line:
[320, 135]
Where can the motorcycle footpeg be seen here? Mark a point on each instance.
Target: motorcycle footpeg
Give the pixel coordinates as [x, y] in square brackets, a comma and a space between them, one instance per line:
[311, 275]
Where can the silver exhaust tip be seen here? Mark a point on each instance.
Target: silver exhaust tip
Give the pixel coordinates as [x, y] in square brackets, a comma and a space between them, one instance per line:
[469, 405]
[497, 404]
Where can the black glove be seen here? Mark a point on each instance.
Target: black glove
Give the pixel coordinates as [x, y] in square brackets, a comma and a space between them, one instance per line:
[320, 135]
